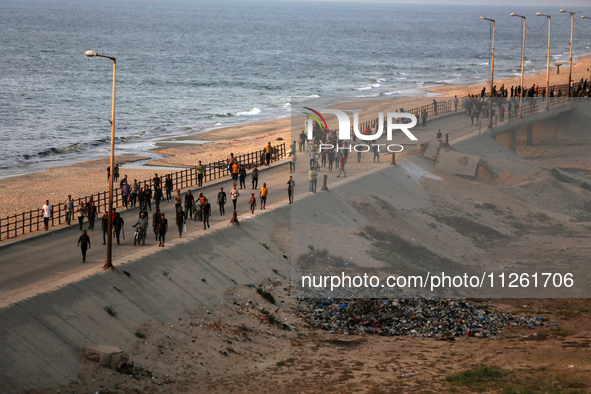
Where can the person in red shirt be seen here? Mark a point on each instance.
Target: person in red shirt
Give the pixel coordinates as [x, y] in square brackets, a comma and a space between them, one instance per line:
[253, 203]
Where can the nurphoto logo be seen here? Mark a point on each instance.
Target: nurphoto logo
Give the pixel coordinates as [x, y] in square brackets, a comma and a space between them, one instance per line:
[394, 121]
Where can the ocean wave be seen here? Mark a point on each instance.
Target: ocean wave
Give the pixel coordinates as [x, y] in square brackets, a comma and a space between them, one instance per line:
[253, 111]
[286, 106]
[54, 151]
[391, 93]
[368, 87]
[368, 95]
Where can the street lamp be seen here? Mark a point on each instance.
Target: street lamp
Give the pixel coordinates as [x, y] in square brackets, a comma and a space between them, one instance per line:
[108, 262]
[570, 59]
[492, 67]
[548, 62]
[521, 90]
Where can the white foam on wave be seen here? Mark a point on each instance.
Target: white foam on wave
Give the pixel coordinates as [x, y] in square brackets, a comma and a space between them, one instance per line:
[372, 86]
[253, 111]
[368, 95]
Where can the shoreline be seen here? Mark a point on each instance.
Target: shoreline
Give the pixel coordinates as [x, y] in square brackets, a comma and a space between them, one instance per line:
[89, 177]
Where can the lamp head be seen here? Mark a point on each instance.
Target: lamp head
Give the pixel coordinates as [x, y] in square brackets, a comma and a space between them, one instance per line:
[538, 14]
[563, 11]
[91, 53]
[512, 14]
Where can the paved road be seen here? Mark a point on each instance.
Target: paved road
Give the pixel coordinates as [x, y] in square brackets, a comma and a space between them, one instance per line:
[43, 257]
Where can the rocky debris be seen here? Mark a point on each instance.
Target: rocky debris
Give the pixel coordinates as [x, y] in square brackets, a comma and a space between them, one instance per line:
[420, 317]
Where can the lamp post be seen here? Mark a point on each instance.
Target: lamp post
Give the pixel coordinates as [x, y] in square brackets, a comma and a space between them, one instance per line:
[589, 69]
[521, 90]
[548, 62]
[108, 262]
[570, 58]
[492, 67]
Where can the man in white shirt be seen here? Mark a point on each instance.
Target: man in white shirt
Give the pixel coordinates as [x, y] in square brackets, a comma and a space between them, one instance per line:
[47, 212]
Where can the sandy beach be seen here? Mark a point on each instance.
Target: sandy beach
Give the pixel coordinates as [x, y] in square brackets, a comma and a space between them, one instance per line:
[28, 192]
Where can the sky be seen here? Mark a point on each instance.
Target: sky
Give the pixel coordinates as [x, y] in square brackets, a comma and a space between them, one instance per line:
[559, 4]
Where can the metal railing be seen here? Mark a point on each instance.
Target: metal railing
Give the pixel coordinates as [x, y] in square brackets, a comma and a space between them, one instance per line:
[26, 222]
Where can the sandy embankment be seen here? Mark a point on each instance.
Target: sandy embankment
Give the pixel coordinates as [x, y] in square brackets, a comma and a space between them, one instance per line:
[28, 192]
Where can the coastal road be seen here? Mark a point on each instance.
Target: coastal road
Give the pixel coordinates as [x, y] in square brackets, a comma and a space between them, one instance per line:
[46, 257]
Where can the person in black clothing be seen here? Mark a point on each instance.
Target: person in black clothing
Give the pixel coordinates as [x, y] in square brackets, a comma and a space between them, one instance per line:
[156, 222]
[148, 197]
[123, 181]
[158, 196]
[84, 243]
[222, 201]
[156, 180]
[242, 176]
[206, 209]
[116, 173]
[105, 227]
[189, 202]
[168, 185]
[255, 178]
[91, 212]
[141, 198]
[180, 220]
[118, 225]
[162, 229]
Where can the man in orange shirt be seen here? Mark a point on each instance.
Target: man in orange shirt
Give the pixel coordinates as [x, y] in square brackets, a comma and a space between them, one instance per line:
[264, 192]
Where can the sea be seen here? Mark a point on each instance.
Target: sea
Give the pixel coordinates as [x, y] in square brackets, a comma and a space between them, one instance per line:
[188, 66]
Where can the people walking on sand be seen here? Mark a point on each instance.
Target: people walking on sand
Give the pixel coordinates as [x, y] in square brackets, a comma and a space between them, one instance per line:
[268, 153]
[168, 185]
[69, 208]
[200, 168]
[91, 212]
[47, 210]
[84, 244]
[242, 176]
[290, 189]
[234, 194]
[162, 229]
[81, 213]
[342, 163]
[263, 195]
[253, 203]
[189, 202]
[222, 201]
[118, 224]
[105, 227]
[180, 220]
[254, 178]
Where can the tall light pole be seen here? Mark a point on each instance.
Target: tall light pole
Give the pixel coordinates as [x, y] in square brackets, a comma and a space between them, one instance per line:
[521, 90]
[108, 262]
[548, 62]
[589, 69]
[570, 58]
[492, 68]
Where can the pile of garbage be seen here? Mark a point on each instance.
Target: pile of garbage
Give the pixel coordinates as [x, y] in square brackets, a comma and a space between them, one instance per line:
[420, 317]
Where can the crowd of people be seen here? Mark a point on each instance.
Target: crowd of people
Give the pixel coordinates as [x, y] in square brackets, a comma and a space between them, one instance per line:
[187, 206]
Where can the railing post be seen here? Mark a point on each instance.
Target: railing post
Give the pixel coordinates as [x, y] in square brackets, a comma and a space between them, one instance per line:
[30, 221]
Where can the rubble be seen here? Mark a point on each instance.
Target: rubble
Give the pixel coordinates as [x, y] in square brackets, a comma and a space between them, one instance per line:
[420, 317]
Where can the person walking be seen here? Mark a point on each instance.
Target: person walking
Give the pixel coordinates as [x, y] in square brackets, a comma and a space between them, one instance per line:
[234, 194]
[125, 193]
[168, 185]
[292, 162]
[105, 227]
[162, 229]
[242, 176]
[116, 173]
[311, 181]
[118, 223]
[47, 210]
[342, 163]
[254, 178]
[206, 212]
[263, 195]
[180, 220]
[69, 208]
[189, 202]
[91, 215]
[84, 244]
[178, 201]
[158, 196]
[268, 153]
[81, 214]
[200, 168]
[290, 189]
[376, 153]
[135, 188]
[253, 203]
[222, 201]
[156, 222]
